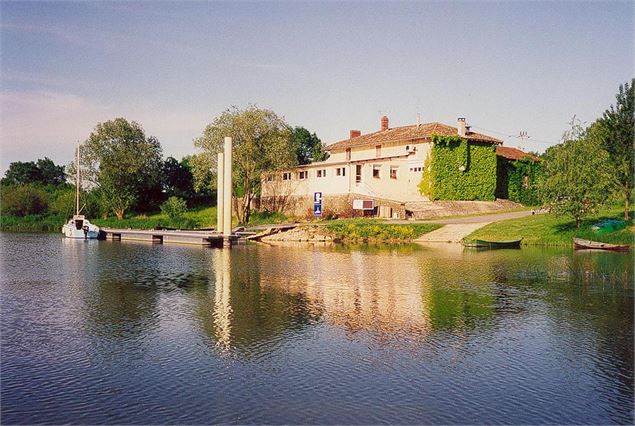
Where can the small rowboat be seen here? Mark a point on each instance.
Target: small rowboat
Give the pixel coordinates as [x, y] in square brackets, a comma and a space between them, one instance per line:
[579, 244]
[492, 244]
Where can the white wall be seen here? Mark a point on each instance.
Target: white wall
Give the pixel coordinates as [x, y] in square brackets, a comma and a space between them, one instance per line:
[403, 188]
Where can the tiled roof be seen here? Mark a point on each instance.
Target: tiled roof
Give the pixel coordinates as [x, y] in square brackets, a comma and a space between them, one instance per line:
[412, 133]
[513, 153]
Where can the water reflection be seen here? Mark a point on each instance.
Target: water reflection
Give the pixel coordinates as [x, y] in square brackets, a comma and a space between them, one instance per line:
[108, 332]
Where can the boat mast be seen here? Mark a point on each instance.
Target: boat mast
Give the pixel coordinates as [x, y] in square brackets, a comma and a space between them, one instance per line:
[77, 183]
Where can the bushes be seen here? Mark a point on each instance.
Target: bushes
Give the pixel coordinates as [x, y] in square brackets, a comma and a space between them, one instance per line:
[24, 200]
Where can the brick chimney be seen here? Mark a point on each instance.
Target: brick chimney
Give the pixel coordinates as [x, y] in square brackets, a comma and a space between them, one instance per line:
[384, 123]
[461, 127]
[355, 133]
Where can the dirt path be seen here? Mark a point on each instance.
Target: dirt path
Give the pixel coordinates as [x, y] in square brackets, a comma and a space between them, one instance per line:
[454, 230]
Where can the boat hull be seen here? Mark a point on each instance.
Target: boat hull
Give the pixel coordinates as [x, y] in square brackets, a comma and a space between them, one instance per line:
[513, 244]
[80, 228]
[580, 244]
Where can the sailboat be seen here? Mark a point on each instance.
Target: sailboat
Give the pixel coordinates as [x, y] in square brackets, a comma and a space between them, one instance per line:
[79, 226]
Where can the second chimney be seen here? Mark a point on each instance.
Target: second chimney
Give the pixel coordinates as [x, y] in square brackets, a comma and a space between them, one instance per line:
[384, 123]
[461, 128]
[355, 133]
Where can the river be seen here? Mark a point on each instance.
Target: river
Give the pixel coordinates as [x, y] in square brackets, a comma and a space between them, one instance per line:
[97, 332]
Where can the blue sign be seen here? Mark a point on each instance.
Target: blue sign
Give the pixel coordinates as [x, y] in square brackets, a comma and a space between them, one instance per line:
[317, 198]
[317, 209]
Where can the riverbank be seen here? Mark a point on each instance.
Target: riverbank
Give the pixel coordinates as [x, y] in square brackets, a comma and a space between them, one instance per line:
[551, 230]
[356, 231]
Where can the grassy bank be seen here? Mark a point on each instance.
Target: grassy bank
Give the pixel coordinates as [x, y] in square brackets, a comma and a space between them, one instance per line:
[193, 219]
[372, 230]
[552, 230]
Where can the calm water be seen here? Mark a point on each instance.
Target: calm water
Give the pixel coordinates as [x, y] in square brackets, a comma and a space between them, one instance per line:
[107, 332]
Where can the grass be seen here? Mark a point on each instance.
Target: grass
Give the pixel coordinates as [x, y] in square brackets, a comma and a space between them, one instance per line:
[552, 230]
[371, 230]
[193, 219]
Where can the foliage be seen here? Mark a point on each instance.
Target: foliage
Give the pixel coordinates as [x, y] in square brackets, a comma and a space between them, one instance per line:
[577, 177]
[125, 164]
[43, 172]
[23, 200]
[459, 170]
[174, 208]
[370, 230]
[551, 230]
[616, 132]
[32, 223]
[265, 217]
[517, 180]
[261, 142]
[177, 179]
[308, 146]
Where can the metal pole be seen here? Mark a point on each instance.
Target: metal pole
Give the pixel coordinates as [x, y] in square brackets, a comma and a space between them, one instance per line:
[220, 191]
[227, 197]
[77, 183]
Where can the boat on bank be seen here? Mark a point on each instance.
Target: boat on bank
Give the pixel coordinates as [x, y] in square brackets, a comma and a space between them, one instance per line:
[580, 244]
[476, 243]
[78, 226]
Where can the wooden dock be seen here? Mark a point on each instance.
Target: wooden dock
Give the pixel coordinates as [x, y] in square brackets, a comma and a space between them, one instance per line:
[205, 238]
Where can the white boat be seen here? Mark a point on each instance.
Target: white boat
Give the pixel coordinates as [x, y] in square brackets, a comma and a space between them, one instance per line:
[79, 226]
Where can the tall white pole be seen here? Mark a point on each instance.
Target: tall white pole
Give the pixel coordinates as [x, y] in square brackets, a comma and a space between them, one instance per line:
[220, 191]
[227, 197]
[77, 182]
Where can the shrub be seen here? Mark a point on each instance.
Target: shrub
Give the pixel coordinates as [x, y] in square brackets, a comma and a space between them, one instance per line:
[24, 200]
[174, 208]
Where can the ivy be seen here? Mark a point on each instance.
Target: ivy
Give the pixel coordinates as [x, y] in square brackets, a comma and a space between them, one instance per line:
[521, 177]
[458, 169]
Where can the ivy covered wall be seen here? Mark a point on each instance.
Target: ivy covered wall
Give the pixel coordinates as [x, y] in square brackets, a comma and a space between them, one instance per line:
[459, 170]
[517, 180]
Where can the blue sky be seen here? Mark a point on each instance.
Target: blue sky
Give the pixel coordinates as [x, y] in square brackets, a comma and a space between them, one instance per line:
[330, 67]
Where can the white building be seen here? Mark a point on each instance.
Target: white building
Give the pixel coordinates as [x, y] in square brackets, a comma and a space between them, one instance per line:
[384, 166]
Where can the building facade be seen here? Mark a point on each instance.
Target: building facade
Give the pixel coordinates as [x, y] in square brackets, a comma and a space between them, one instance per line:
[384, 167]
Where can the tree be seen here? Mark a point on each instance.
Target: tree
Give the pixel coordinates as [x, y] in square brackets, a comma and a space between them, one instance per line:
[308, 146]
[43, 172]
[262, 142]
[24, 200]
[616, 132]
[125, 164]
[576, 175]
[174, 208]
[177, 178]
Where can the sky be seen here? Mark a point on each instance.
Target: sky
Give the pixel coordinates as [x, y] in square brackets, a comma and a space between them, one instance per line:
[327, 66]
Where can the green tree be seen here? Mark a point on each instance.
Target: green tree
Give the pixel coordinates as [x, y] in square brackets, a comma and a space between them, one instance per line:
[308, 146]
[616, 132]
[44, 172]
[577, 177]
[174, 208]
[24, 200]
[177, 178]
[119, 159]
[262, 142]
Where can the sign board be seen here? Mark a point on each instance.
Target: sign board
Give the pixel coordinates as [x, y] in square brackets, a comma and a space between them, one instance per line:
[363, 204]
[317, 204]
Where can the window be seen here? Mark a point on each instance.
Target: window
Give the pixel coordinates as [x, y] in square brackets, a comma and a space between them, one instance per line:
[378, 151]
[269, 178]
[393, 172]
[340, 171]
[348, 154]
[376, 170]
[358, 173]
[286, 176]
[303, 175]
[321, 173]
